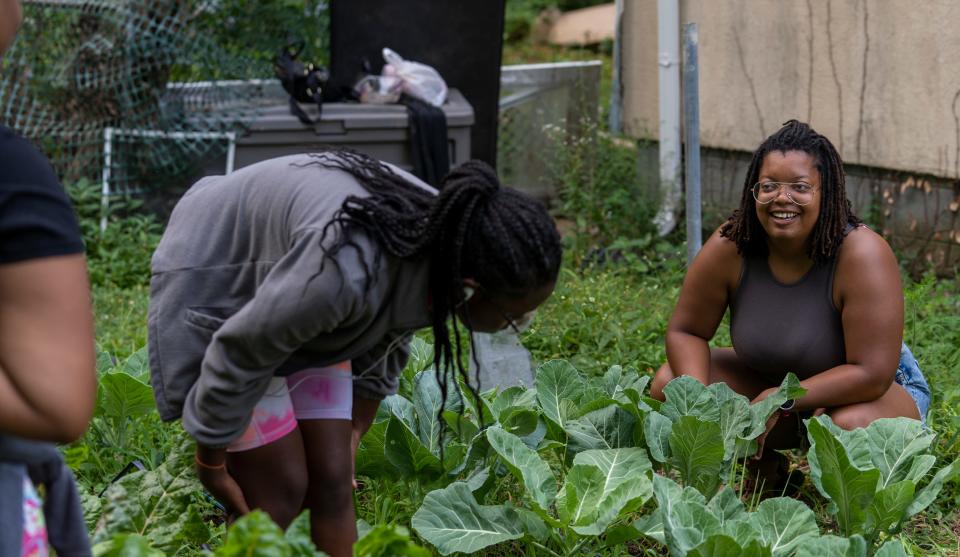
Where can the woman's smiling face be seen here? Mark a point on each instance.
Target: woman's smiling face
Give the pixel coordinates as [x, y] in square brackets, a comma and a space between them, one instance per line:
[782, 219]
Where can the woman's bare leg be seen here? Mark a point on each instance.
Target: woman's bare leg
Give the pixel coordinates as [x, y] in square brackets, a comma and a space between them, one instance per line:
[330, 490]
[273, 477]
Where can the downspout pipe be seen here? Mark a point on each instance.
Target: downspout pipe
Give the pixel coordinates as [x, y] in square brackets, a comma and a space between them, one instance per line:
[668, 60]
[616, 96]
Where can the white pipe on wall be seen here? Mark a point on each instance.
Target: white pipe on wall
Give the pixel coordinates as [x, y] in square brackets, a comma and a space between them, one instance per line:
[668, 60]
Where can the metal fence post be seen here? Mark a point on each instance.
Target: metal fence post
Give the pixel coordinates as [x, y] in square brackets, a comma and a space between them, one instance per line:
[691, 130]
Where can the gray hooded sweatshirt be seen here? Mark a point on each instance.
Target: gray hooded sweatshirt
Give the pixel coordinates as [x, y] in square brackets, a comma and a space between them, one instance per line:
[237, 295]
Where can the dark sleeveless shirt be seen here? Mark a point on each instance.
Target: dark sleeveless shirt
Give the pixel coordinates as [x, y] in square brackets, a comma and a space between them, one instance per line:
[778, 328]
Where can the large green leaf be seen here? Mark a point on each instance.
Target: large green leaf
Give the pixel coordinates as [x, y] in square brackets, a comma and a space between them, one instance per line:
[656, 429]
[832, 546]
[558, 381]
[580, 495]
[371, 457]
[685, 396]
[894, 443]
[401, 408]
[618, 382]
[932, 489]
[138, 365]
[784, 524]
[155, 504]
[526, 465]
[384, 540]
[726, 506]
[427, 401]
[849, 489]
[452, 520]
[519, 421]
[697, 453]
[126, 545]
[687, 522]
[608, 428]
[406, 452]
[651, 525]
[627, 497]
[617, 465]
[889, 508]
[892, 548]
[123, 396]
[720, 545]
[735, 417]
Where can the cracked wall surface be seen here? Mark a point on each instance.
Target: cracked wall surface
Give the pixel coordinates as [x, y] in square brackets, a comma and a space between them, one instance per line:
[878, 77]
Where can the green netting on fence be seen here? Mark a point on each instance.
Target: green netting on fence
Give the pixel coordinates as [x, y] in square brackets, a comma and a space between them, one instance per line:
[79, 67]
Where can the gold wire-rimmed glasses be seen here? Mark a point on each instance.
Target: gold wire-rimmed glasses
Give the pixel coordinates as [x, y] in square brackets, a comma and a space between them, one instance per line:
[800, 193]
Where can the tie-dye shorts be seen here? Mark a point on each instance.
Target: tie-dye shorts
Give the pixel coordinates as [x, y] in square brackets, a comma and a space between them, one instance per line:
[321, 393]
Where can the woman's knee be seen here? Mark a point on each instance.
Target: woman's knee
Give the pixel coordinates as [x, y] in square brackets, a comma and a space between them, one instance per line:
[660, 380]
[331, 486]
[851, 417]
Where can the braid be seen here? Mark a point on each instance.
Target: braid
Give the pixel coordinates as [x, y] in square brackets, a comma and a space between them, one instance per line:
[836, 212]
[474, 228]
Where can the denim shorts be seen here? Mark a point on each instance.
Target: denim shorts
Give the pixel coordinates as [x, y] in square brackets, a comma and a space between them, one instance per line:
[911, 379]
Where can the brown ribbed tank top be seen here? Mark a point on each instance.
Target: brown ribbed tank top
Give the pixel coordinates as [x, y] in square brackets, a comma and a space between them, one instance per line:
[778, 328]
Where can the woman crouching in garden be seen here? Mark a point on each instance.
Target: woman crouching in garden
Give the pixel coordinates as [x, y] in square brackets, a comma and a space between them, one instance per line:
[282, 302]
[811, 290]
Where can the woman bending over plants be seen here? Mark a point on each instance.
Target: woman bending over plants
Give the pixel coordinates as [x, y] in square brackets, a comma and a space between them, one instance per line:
[811, 290]
[283, 299]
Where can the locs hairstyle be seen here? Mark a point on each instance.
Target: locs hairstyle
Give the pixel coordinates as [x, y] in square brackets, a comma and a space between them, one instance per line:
[743, 227]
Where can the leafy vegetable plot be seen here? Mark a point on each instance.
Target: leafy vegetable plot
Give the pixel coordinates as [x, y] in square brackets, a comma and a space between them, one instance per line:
[699, 431]
[872, 476]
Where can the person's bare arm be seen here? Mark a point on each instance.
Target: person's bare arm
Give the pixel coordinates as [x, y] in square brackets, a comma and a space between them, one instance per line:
[871, 302]
[47, 360]
[703, 301]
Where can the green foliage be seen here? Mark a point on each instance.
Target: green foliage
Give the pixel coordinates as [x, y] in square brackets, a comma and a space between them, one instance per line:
[120, 255]
[699, 431]
[872, 476]
[157, 505]
[600, 191]
[386, 541]
[125, 427]
[255, 30]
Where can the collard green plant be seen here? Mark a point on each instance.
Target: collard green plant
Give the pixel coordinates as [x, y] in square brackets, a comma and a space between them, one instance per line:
[590, 424]
[699, 430]
[156, 504]
[872, 476]
[255, 534]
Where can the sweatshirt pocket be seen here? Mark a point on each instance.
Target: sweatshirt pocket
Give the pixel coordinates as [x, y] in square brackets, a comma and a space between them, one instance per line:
[208, 318]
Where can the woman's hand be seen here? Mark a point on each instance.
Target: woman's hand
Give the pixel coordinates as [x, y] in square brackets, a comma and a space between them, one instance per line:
[211, 467]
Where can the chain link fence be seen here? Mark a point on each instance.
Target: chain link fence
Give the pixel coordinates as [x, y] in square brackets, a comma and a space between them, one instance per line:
[543, 107]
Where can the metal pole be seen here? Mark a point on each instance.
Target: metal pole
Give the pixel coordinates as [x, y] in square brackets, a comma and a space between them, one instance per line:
[691, 130]
[668, 59]
[105, 184]
[616, 96]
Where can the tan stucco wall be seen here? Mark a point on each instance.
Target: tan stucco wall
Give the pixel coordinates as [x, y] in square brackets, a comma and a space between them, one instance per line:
[880, 78]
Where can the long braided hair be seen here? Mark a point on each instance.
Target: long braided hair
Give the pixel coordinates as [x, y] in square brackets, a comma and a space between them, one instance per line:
[743, 227]
[474, 228]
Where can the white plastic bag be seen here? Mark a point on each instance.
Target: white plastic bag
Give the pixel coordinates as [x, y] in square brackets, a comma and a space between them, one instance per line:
[419, 80]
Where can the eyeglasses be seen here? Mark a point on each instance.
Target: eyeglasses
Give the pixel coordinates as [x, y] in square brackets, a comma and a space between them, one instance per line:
[519, 324]
[800, 193]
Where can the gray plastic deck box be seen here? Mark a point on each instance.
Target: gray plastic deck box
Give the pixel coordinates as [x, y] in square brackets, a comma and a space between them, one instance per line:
[381, 131]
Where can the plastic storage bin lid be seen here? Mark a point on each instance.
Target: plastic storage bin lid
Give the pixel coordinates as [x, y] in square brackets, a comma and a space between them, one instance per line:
[347, 116]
